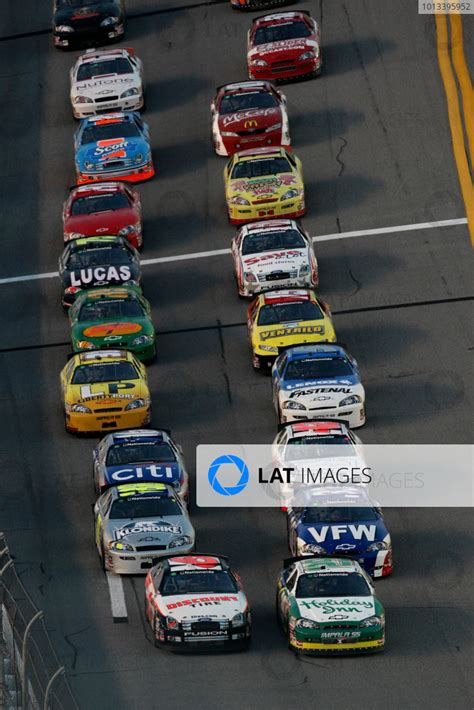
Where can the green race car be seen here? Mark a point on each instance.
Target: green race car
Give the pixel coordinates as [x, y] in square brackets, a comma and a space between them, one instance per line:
[328, 606]
[118, 318]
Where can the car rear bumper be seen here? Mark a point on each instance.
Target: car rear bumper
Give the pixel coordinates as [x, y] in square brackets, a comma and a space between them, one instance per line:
[241, 214]
[338, 648]
[78, 38]
[143, 172]
[235, 639]
[294, 70]
[131, 103]
[139, 562]
[354, 414]
[79, 423]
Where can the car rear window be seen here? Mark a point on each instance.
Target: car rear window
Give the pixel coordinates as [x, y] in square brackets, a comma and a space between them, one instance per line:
[261, 167]
[267, 241]
[231, 103]
[289, 312]
[121, 65]
[281, 32]
[100, 203]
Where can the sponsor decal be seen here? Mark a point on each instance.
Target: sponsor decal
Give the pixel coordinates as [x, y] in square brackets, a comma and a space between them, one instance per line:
[294, 330]
[147, 527]
[113, 391]
[263, 185]
[288, 254]
[151, 470]
[113, 147]
[356, 531]
[247, 116]
[317, 390]
[94, 83]
[203, 601]
[329, 606]
[100, 273]
[112, 329]
[340, 634]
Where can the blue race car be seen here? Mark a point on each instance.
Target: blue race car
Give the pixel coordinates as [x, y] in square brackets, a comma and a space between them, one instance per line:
[113, 146]
[318, 381]
[341, 522]
[140, 456]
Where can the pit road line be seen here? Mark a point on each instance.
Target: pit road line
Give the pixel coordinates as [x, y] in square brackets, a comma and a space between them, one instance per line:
[219, 252]
[117, 598]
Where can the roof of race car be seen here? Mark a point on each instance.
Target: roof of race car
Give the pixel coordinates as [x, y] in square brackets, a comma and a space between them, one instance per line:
[314, 350]
[102, 356]
[142, 489]
[91, 55]
[284, 296]
[282, 17]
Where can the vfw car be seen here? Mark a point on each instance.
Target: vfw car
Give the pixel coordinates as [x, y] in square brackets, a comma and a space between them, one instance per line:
[318, 381]
[273, 254]
[250, 114]
[115, 146]
[106, 80]
[285, 45]
[262, 184]
[117, 317]
[140, 456]
[89, 262]
[329, 606]
[104, 390]
[138, 522]
[277, 320]
[196, 601]
[82, 22]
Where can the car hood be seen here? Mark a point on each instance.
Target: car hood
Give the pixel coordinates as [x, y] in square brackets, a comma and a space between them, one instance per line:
[322, 392]
[287, 334]
[252, 119]
[334, 609]
[288, 48]
[112, 149]
[261, 188]
[110, 222]
[106, 85]
[342, 538]
[101, 275]
[146, 532]
[277, 260]
[205, 605]
[103, 394]
[142, 472]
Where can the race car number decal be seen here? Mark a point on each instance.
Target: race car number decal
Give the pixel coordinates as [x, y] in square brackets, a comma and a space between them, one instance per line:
[298, 330]
[100, 331]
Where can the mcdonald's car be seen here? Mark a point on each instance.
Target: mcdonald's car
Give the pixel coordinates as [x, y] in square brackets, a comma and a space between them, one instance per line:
[285, 45]
[273, 254]
[137, 522]
[118, 317]
[105, 390]
[105, 208]
[328, 606]
[106, 80]
[196, 601]
[264, 183]
[89, 262]
[250, 114]
[138, 456]
[115, 146]
[277, 320]
[84, 22]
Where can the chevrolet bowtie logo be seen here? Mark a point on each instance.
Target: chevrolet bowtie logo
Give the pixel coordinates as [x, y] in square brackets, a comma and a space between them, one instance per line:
[251, 124]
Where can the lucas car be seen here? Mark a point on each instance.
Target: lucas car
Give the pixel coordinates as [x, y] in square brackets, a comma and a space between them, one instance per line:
[84, 22]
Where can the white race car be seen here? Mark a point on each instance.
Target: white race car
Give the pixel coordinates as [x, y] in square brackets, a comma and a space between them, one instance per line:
[105, 80]
[273, 254]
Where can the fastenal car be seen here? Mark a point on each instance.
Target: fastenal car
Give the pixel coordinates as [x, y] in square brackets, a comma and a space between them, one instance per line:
[262, 184]
[285, 45]
[342, 521]
[89, 262]
[118, 317]
[82, 22]
[135, 523]
[113, 146]
[250, 114]
[276, 253]
[105, 208]
[106, 80]
[105, 389]
[277, 320]
[140, 455]
[196, 601]
[329, 606]
[318, 381]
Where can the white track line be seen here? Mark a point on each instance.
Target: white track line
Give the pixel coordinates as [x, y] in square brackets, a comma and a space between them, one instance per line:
[117, 598]
[220, 252]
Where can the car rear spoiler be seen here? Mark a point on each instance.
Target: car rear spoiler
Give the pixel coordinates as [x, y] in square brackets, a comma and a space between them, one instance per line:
[293, 12]
[314, 421]
[155, 560]
[291, 560]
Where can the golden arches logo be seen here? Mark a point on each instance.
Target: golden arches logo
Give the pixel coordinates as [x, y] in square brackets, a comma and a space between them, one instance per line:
[251, 124]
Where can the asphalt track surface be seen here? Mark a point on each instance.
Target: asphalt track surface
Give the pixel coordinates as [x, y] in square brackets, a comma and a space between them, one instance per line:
[374, 139]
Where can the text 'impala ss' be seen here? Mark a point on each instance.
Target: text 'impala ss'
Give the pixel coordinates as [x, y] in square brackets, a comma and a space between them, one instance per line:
[105, 389]
[196, 601]
[84, 22]
[137, 522]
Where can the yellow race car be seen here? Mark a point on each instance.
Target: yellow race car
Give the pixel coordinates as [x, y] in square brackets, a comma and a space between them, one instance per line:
[277, 320]
[262, 184]
[105, 390]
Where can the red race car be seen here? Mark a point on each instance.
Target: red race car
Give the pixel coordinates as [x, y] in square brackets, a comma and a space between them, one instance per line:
[105, 208]
[250, 114]
[285, 45]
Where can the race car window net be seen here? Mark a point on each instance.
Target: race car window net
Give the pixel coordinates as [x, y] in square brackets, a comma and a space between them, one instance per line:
[280, 32]
[289, 313]
[120, 65]
[143, 507]
[338, 515]
[267, 241]
[106, 131]
[247, 100]
[153, 451]
[106, 310]
[260, 167]
[104, 372]
[100, 203]
[103, 256]
[318, 369]
[195, 582]
[332, 584]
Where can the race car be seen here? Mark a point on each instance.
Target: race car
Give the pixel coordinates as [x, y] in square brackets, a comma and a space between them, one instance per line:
[262, 184]
[103, 390]
[195, 602]
[106, 208]
[341, 521]
[277, 320]
[318, 381]
[135, 523]
[257, 4]
[89, 262]
[248, 114]
[329, 606]
[106, 80]
[113, 146]
[118, 317]
[285, 45]
[140, 455]
[82, 22]
[276, 253]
